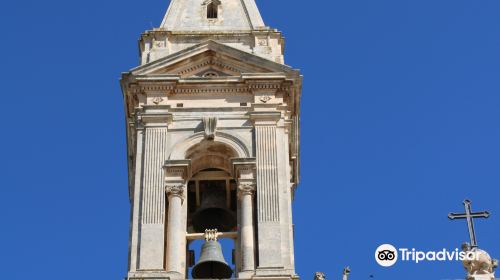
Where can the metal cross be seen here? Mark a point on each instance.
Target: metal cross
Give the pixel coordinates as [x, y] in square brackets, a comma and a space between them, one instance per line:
[470, 216]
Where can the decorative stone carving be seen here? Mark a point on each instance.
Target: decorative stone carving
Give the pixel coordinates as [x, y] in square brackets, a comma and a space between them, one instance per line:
[157, 100]
[478, 263]
[246, 189]
[319, 276]
[265, 99]
[160, 44]
[175, 190]
[210, 124]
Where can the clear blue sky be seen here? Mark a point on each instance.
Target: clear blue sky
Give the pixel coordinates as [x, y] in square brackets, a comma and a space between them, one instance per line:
[400, 123]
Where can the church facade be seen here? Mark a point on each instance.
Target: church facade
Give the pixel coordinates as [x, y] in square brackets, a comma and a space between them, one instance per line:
[213, 146]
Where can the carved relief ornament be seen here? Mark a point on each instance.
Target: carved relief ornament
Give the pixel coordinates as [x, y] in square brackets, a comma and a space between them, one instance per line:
[246, 189]
[175, 190]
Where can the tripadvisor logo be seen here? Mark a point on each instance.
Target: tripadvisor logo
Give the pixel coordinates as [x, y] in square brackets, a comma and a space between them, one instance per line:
[387, 255]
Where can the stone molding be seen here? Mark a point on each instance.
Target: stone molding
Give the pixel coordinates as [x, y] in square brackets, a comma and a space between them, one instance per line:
[148, 115]
[211, 62]
[217, 86]
[265, 117]
[180, 149]
[244, 169]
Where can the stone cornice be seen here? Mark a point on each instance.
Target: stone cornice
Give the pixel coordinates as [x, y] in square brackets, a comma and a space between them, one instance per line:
[218, 90]
[232, 33]
[225, 85]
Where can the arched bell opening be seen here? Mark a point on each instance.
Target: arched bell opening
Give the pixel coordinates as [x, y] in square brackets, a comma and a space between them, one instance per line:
[211, 180]
[212, 200]
[211, 207]
[210, 155]
[211, 191]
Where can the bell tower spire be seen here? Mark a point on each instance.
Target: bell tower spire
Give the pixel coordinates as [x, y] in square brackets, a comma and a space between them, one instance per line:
[212, 15]
[236, 23]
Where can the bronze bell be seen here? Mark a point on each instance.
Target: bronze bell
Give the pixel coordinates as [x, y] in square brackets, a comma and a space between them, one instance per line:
[213, 212]
[212, 264]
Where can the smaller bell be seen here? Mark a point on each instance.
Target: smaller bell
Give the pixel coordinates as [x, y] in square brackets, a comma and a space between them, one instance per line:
[212, 264]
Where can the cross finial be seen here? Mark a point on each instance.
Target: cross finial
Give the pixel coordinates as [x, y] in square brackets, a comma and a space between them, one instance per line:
[470, 216]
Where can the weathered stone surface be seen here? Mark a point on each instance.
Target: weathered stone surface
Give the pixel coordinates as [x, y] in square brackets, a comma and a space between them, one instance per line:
[191, 15]
[212, 100]
[238, 24]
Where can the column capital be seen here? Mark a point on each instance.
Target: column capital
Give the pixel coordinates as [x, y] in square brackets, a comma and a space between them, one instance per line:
[175, 190]
[246, 188]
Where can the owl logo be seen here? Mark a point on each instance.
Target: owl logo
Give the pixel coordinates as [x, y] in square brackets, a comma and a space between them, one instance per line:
[386, 255]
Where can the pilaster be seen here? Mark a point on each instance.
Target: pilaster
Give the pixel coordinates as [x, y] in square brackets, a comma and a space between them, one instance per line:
[268, 192]
[154, 124]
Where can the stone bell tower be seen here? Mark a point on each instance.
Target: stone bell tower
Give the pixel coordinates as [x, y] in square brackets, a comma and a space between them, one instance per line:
[213, 146]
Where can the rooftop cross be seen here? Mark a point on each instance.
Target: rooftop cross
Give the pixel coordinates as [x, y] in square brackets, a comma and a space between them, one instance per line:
[469, 216]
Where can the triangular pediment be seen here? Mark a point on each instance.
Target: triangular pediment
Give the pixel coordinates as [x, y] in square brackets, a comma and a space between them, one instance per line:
[209, 60]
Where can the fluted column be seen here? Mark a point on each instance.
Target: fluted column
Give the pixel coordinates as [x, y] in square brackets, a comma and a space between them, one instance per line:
[175, 229]
[245, 194]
